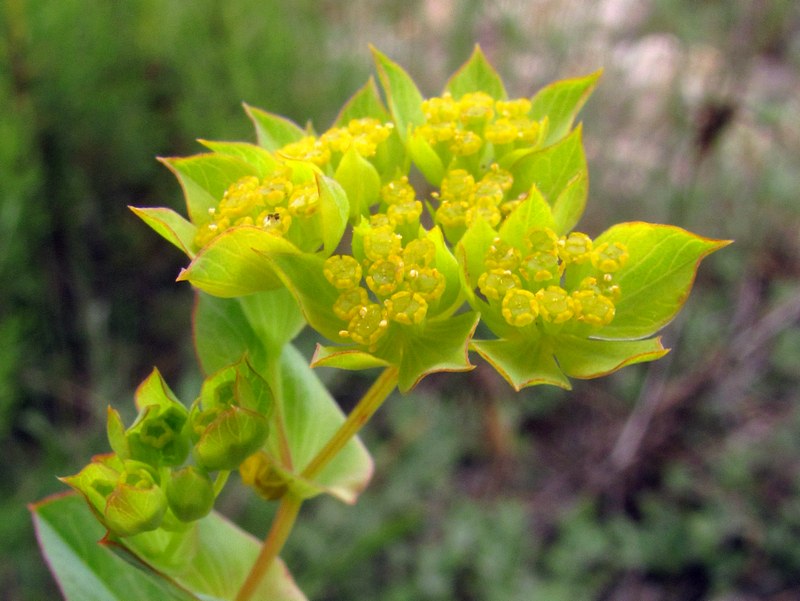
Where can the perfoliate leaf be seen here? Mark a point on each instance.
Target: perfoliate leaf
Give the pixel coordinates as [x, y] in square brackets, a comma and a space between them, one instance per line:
[212, 569]
[273, 316]
[560, 102]
[224, 330]
[404, 99]
[656, 280]
[476, 75]
[523, 361]
[273, 131]
[68, 536]
[204, 179]
[233, 263]
[586, 358]
[169, 225]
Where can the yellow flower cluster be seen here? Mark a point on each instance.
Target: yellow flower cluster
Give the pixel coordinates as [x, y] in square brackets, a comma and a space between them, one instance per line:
[363, 134]
[526, 284]
[462, 126]
[462, 199]
[270, 203]
[392, 284]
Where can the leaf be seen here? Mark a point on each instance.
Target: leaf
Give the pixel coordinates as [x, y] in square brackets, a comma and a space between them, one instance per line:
[309, 417]
[360, 181]
[169, 225]
[273, 131]
[366, 102]
[204, 179]
[68, 532]
[233, 263]
[476, 75]
[524, 361]
[274, 317]
[154, 391]
[425, 158]
[570, 203]
[351, 358]
[586, 358]
[533, 212]
[334, 210]
[439, 346]
[68, 536]
[404, 99]
[550, 169]
[302, 275]
[260, 159]
[560, 102]
[657, 278]
[223, 334]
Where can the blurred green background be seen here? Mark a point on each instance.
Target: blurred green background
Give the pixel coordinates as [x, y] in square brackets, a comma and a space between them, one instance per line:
[676, 481]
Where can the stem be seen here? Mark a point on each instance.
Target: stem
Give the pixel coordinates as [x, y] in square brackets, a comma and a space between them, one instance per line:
[290, 505]
[278, 533]
[366, 407]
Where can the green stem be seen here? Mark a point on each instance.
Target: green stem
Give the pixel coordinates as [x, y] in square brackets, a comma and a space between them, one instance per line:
[366, 407]
[278, 533]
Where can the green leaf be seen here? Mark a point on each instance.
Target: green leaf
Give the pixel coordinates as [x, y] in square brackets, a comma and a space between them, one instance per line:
[260, 159]
[657, 278]
[204, 179]
[550, 169]
[560, 102]
[350, 358]
[439, 346]
[223, 334]
[169, 225]
[307, 416]
[212, 570]
[425, 158]
[233, 263]
[404, 99]
[533, 212]
[154, 391]
[360, 181]
[524, 361]
[302, 275]
[334, 211]
[68, 532]
[476, 75]
[366, 102]
[273, 131]
[586, 358]
[274, 318]
[570, 203]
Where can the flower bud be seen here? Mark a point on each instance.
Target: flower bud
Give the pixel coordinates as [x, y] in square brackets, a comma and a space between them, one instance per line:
[190, 493]
[229, 437]
[137, 504]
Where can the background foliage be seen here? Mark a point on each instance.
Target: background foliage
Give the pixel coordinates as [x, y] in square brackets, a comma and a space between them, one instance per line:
[674, 481]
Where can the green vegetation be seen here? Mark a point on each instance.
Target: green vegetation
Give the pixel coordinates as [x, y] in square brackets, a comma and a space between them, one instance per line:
[695, 498]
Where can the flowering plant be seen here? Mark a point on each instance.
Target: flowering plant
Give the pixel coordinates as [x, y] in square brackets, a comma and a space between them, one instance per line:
[327, 230]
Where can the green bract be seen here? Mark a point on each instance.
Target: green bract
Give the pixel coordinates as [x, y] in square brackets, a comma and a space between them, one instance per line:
[327, 229]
